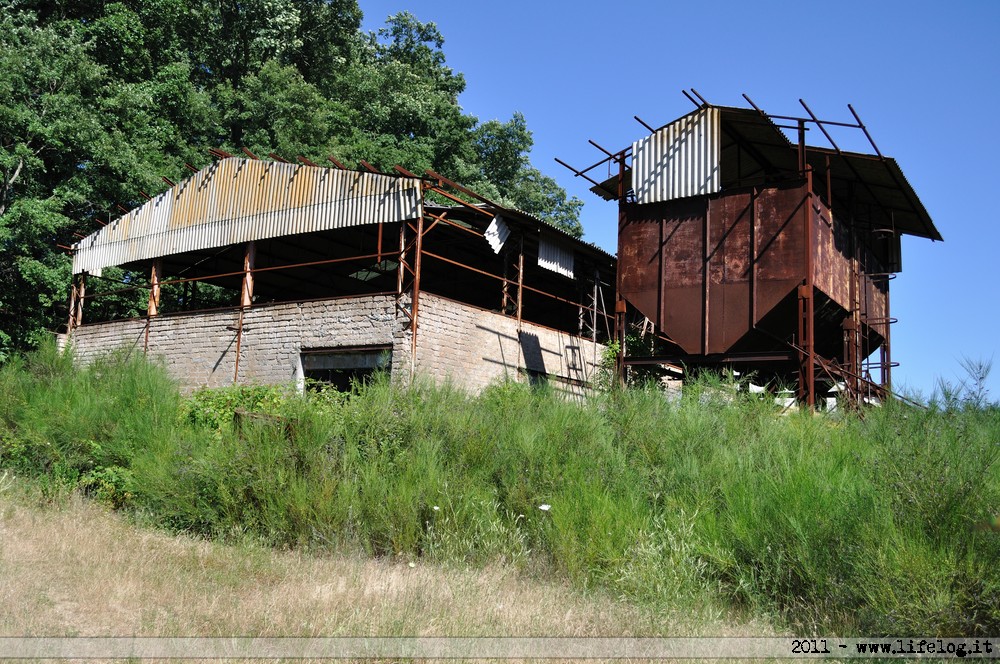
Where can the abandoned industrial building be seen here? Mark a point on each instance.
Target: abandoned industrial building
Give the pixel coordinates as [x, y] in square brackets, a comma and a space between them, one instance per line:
[737, 247]
[749, 251]
[329, 274]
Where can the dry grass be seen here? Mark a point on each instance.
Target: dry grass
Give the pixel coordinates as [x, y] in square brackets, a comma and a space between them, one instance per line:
[71, 568]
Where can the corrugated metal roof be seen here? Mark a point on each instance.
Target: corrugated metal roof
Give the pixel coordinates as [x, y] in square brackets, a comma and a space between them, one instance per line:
[679, 160]
[238, 200]
[521, 219]
[878, 184]
[497, 233]
[572, 240]
[754, 147]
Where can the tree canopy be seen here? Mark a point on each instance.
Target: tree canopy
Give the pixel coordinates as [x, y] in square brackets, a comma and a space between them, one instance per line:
[100, 100]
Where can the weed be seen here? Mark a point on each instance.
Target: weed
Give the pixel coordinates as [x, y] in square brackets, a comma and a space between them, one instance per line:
[851, 525]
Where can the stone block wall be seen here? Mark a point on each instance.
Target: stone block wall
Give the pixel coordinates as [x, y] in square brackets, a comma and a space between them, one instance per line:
[471, 347]
[199, 349]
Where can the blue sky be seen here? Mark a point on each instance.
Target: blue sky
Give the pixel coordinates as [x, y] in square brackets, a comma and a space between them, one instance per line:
[924, 77]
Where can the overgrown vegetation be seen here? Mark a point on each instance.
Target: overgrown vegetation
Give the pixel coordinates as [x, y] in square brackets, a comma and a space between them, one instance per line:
[100, 100]
[884, 524]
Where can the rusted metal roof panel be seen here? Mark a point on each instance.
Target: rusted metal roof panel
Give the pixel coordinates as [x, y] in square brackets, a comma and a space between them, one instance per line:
[870, 188]
[238, 200]
[679, 160]
[878, 186]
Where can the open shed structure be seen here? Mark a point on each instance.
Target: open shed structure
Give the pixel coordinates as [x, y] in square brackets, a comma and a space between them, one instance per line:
[748, 250]
[329, 274]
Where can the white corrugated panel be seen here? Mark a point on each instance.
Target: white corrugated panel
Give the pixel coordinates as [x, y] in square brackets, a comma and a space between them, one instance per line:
[679, 160]
[555, 257]
[497, 233]
[238, 200]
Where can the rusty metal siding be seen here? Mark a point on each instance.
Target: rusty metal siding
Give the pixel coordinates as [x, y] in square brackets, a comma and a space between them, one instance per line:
[831, 255]
[238, 200]
[679, 160]
[708, 269]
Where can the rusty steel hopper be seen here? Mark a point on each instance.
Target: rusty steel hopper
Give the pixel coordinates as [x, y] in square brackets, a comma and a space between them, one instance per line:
[719, 274]
[745, 248]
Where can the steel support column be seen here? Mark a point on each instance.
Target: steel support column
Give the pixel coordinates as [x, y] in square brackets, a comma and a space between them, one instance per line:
[886, 343]
[620, 310]
[706, 288]
[593, 305]
[752, 290]
[806, 299]
[71, 319]
[78, 291]
[509, 297]
[246, 301]
[854, 357]
[620, 305]
[152, 308]
[415, 296]
[520, 281]
[402, 266]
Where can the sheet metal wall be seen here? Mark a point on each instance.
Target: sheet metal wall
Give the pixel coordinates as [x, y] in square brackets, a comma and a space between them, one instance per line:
[555, 257]
[679, 160]
[708, 269]
[238, 200]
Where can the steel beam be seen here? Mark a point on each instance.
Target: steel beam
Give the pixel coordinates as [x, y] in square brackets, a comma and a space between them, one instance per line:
[246, 301]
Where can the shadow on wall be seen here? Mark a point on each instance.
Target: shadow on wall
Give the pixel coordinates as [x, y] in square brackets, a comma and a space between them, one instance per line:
[576, 368]
[566, 367]
[534, 363]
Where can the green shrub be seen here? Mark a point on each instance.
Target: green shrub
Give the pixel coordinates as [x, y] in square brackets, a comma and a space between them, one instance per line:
[881, 524]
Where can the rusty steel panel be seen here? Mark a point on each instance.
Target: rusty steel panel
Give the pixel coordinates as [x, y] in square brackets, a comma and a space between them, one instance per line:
[683, 272]
[238, 200]
[729, 260]
[729, 315]
[679, 160]
[730, 219]
[660, 257]
[707, 269]
[780, 245]
[831, 255]
[683, 320]
[780, 248]
[640, 261]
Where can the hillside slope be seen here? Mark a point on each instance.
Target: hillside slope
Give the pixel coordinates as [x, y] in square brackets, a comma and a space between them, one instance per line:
[69, 567]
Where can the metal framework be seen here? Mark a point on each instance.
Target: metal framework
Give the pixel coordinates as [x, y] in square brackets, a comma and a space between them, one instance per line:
[859, 376]
[458, 218]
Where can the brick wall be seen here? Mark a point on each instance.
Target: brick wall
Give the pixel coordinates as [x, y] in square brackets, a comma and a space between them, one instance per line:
[469, 346]
[473, 348]
[199, 349]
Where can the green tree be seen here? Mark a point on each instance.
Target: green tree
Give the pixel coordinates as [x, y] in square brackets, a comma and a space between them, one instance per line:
[403, 102]
[503, 149]
[99, 100]
[48, 130]
[75, 141]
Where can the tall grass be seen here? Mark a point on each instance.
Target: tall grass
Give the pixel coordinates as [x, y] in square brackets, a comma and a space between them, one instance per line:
[82, 426]
[878, 525]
